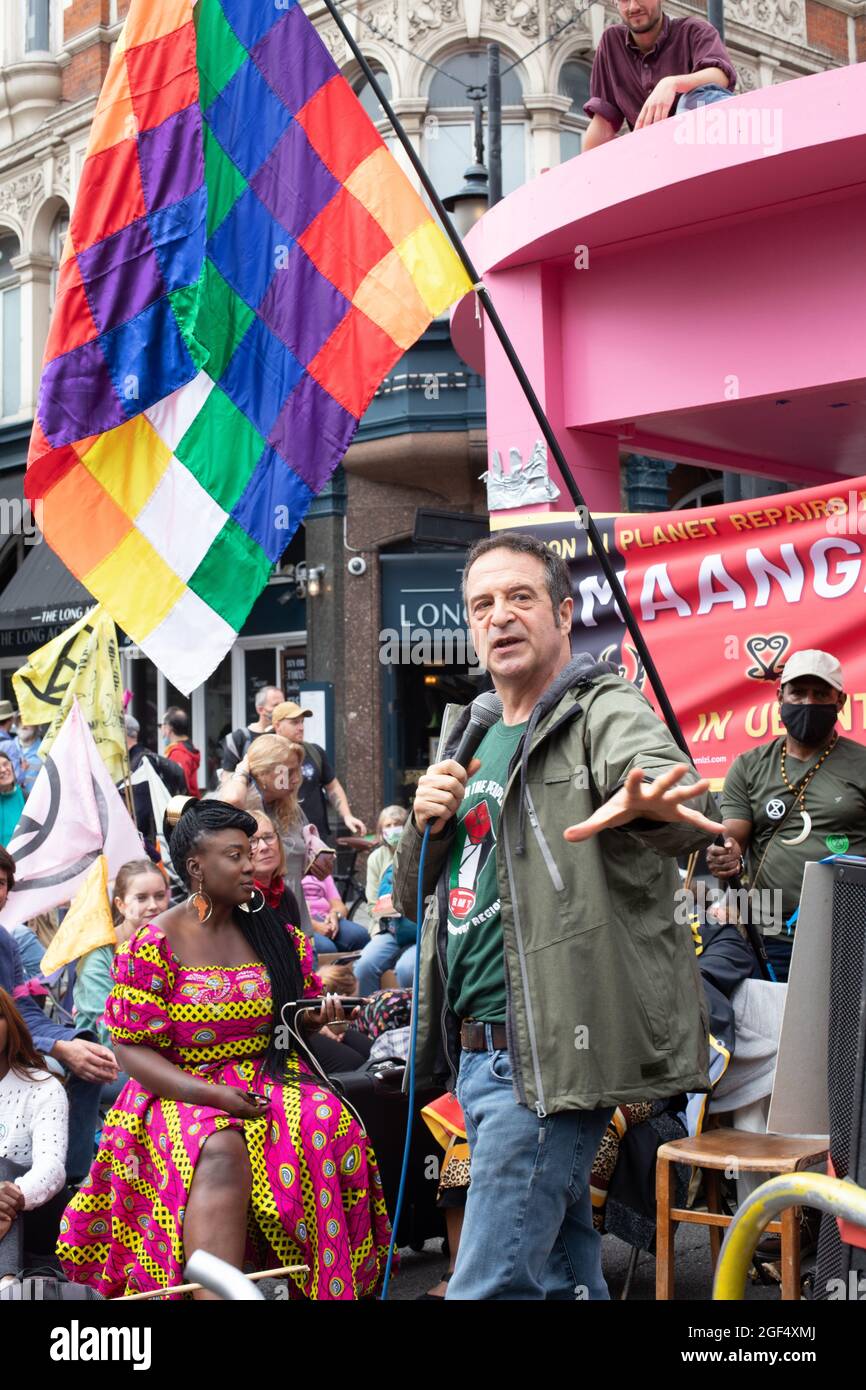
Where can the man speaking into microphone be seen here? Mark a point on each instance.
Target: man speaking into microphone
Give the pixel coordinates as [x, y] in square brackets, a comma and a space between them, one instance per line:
[555, 983]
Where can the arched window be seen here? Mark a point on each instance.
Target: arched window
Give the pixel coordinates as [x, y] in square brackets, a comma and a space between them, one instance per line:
[37, 33]
[573, 83]
[367, 97]
[448, 146]
[56, 243]
[10, 325]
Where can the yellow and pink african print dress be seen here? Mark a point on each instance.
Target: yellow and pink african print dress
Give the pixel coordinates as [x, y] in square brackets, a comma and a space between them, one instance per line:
[316, 1192]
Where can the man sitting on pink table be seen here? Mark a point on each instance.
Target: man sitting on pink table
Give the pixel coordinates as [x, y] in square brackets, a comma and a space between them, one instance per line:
[649, 66]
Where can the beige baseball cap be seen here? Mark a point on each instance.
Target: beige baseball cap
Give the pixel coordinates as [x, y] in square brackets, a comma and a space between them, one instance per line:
[289, 710]
[813, 663]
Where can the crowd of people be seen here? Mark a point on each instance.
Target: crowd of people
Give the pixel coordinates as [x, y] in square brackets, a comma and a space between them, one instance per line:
[178, 1087]
[171, 1090]
[260, 926]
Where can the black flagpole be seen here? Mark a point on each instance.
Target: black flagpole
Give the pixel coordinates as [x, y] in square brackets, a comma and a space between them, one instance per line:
[601, 555]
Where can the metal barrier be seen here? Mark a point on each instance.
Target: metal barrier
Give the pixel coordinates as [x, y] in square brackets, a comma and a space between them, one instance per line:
[837, 1197]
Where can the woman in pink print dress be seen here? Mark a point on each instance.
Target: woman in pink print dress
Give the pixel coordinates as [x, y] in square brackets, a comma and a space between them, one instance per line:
[224, 1139]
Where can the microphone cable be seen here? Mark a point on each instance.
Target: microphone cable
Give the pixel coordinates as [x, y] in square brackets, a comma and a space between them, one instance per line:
[413, 1038]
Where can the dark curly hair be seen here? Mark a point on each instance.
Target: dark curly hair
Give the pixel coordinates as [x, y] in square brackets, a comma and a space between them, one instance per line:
[266, 934]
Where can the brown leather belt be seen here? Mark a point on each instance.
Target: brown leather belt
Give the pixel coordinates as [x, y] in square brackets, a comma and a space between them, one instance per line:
[473, 1036]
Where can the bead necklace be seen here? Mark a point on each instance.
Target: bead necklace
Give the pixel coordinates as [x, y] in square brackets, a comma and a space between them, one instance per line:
[801, 795]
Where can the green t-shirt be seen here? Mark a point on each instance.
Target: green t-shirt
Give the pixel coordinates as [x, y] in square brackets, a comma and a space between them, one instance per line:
[835, 802]
[476, 974]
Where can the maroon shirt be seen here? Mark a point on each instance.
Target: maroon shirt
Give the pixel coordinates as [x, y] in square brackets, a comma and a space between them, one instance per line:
[623, 76]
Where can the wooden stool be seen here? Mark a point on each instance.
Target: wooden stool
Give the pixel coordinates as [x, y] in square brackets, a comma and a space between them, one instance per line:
[712, 1152]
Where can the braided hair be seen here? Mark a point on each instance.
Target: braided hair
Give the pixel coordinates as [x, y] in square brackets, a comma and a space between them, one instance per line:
[263, 930]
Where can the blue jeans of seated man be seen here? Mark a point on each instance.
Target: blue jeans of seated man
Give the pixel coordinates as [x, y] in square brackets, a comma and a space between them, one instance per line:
[352, 936]
[779, 950]
[83, 1100]
[380, 954]
[701, 96]
[528, 1232]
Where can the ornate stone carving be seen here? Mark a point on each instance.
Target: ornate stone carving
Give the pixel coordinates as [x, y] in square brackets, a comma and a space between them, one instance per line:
[383, 18]
[335, 44]
[747, 79]
[517, 14]
[784, 19]
[562, 12]
[426, 15]
[61, 172]
[20, 194]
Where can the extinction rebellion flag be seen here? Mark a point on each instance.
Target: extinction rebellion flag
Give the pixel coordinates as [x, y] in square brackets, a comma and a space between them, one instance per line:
[245, 263]
[724, 595]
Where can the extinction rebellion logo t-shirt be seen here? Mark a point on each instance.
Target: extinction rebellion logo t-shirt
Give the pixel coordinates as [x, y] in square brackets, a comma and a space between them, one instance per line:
[476, 974]
[835, 806]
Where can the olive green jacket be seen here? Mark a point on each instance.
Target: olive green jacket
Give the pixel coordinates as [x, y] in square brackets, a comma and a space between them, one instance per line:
[604, 1001]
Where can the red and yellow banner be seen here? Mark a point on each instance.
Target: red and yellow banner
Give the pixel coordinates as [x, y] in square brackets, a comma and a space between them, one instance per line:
[724, 595]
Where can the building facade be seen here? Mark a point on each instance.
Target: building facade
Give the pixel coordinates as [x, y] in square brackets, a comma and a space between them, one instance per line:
[422, 444]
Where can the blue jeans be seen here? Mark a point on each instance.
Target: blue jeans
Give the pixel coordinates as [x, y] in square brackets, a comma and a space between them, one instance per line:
[779, 950]
[31, 949]
[701, 96]
[382, 953]
[352, 936]
[83, 1099]
[528, 1232]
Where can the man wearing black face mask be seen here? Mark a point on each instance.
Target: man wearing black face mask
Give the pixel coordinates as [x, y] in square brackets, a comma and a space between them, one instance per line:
[794, 800]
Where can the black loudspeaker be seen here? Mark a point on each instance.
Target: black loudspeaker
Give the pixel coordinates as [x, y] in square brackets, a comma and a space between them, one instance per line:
[846, 1067]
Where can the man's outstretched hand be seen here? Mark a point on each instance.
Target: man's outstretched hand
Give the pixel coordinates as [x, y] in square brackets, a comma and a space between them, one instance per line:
[662, 800]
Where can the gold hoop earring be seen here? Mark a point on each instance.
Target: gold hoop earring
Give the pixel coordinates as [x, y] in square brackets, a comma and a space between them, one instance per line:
[200, 903]
[245, 907]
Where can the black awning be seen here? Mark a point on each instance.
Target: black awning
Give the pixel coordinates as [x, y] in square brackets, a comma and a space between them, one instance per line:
[40, 600]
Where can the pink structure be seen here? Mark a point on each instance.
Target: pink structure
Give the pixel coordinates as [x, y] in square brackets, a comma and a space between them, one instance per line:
[696, 291]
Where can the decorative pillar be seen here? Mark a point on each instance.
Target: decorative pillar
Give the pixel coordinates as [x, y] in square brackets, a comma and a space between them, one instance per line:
[545, 112]
[646, 483]
[35, 279]
[411, 112]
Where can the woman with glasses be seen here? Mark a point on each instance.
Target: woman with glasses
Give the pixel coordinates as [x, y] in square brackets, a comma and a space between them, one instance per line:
[268, 779]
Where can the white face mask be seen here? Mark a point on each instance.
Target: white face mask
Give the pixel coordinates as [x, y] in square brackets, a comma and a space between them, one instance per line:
[392, 834]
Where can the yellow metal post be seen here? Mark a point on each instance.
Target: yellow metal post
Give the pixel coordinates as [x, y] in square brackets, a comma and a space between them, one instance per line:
[835, 1196]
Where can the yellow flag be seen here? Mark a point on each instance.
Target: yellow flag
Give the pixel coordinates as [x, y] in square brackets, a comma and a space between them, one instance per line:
[87, 924]
[84, 662]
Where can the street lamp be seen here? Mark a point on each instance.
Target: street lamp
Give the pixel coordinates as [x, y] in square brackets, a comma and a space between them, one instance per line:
[472, 200]
[315, 575]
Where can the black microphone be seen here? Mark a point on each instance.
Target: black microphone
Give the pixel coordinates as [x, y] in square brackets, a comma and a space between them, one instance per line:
[484, 712]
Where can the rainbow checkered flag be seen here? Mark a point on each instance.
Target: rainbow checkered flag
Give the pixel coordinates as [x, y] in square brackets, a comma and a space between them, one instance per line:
[245, 263]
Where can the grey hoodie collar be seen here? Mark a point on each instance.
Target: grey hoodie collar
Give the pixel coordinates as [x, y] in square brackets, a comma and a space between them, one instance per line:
[580, 669]
[574, 674]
